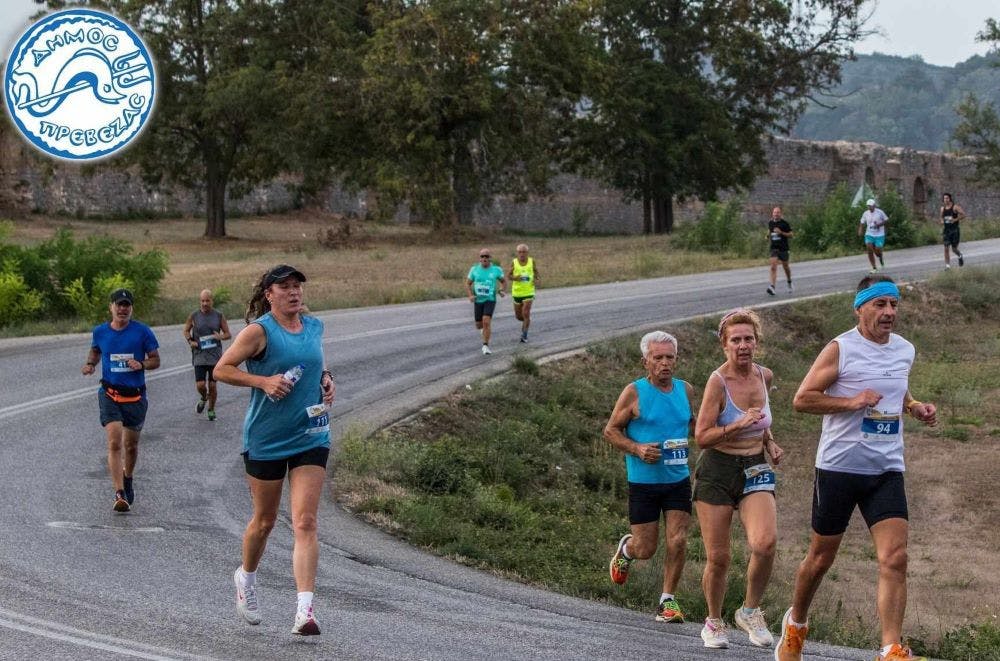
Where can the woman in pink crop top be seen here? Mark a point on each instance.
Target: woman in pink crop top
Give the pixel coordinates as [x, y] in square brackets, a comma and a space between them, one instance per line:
[733, 473]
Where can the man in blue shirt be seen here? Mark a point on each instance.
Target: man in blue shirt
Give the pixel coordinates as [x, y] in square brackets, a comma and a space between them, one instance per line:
[481, 287]
[650, 424]
[126, 349]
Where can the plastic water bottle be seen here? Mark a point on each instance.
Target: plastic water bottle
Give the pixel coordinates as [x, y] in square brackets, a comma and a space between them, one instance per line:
[292, 376]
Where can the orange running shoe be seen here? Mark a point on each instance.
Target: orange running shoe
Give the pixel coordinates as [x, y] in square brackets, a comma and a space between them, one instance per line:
[793, 638]
[619, 565]
[899, 653]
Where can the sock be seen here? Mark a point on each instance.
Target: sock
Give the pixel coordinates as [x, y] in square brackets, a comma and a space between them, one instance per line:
[625, 552]
[247, 578]
[885, 650]
[796, 624]
[305, 601]
[665, 596]
[747, 611]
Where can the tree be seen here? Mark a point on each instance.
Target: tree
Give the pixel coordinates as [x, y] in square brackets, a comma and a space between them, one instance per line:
[227, 72]
[978, 131]
[464, 99]
[686, 91]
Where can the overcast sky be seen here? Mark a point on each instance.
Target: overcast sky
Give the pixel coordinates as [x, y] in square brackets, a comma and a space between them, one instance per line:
[942, 32]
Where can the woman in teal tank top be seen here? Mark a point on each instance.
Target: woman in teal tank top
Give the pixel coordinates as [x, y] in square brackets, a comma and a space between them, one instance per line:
[287, 429]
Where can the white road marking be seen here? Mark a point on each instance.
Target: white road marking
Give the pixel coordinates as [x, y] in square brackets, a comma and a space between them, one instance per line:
[75, 525]
[66, 634]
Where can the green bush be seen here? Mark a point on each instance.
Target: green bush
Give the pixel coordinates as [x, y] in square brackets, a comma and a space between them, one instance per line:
[70, 276]
[831, 224]
[720, 229]
[92, 304]
[18, 302]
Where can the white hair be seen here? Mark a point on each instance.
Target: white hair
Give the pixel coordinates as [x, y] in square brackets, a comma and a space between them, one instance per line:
[658, 337]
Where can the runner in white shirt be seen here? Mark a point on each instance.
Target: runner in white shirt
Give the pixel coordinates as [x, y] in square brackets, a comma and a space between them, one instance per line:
[872, 224]
[860, 384]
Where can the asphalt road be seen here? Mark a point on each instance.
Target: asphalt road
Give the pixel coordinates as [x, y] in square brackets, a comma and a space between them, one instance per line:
[77, 582]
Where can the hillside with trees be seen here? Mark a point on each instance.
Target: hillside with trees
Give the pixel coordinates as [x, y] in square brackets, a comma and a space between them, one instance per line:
[899, 101]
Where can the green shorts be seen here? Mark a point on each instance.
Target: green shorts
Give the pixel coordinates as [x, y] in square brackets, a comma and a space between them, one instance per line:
[723, 479]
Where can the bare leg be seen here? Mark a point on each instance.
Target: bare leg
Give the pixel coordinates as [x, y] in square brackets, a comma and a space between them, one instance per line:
[486, 326]
[213, 394]
[890, 537]
[131, 442]
[715, 521]
[774, 270]
[266, 496]
[306, 486]
[526, 315]
[116, 463]
[760, 520]
[819, 558]
[675, 535]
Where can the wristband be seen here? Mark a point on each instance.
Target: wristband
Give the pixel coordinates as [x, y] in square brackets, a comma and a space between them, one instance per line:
[909, 407]
[92, 364]
[326, 373]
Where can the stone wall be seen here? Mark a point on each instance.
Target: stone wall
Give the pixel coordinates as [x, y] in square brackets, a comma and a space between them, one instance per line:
[799, 172]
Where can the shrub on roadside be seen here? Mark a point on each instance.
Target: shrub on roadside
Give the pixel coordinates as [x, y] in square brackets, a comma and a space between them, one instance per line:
[722, 229]
[71, 276]
[18, 302]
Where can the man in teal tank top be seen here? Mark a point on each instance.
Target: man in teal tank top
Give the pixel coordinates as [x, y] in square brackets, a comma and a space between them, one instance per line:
[651, 423]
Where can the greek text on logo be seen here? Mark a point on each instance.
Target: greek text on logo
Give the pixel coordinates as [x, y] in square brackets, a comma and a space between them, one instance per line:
[79, 84]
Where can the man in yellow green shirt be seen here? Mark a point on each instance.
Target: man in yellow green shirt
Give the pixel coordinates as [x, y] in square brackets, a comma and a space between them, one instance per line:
[523, 276]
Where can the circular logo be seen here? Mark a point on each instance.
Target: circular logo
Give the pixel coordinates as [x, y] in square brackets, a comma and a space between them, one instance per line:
[79, 84]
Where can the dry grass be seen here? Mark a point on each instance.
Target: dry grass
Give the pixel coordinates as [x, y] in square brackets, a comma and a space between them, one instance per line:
[386, 264]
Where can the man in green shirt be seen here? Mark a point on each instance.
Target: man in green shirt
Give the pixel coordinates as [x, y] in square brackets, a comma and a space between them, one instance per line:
[481, 287]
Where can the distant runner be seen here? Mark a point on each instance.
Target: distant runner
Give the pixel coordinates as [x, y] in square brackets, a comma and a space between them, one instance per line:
[951, 216]
[204, 330]
[872, 225]
[481, 287]
[126, 349]
[523, 280]
[860, 385]
[779, 231]
[651, 422]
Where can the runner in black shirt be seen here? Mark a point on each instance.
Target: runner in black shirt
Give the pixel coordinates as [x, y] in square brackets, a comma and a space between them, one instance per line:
[779, 231]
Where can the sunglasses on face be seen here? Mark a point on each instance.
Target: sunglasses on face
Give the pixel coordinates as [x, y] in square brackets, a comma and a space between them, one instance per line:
[484, 257]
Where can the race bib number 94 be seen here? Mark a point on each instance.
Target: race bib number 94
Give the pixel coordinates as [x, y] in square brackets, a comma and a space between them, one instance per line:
[79, 84]
[878, 425]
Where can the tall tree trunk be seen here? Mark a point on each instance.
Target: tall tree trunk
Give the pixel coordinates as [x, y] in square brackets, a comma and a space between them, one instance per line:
[465, 204]
[647, 218]
[215, 201]
[663, 214]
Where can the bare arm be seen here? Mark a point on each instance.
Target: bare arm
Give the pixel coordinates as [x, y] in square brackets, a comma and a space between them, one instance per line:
[811, 396]
[188, 325]
[249, 343]
[224, 333]
[925, 412]
[536, 274]
[626, 409]
[93, 358]
[468, 290]
[691, 401]
[150, 362]
[960, 213]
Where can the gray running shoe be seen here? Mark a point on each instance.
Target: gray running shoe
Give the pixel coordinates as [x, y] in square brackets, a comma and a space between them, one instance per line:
[246, 600]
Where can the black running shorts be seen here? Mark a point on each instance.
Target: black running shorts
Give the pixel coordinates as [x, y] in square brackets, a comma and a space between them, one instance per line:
[647, 501]
[836, 494]
[951, 235]
[203, 372]
[275, 469]
[484, 309]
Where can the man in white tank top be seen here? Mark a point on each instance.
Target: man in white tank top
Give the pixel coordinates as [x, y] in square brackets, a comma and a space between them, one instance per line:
[860, 384]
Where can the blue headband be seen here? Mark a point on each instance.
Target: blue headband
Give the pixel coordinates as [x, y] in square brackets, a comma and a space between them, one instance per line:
[882, 288]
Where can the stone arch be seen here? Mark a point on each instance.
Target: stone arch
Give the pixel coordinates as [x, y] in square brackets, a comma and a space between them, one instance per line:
[919, 197]
[870, 177]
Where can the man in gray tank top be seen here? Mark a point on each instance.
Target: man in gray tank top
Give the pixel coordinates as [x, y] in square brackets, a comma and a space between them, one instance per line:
[860, 385]
[204, 331]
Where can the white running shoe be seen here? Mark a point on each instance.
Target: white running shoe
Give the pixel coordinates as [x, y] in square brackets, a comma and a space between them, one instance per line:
[755, 626]
[305, 623]
[790, 288]
[246, 600]
[486, 350]
[714, 634]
